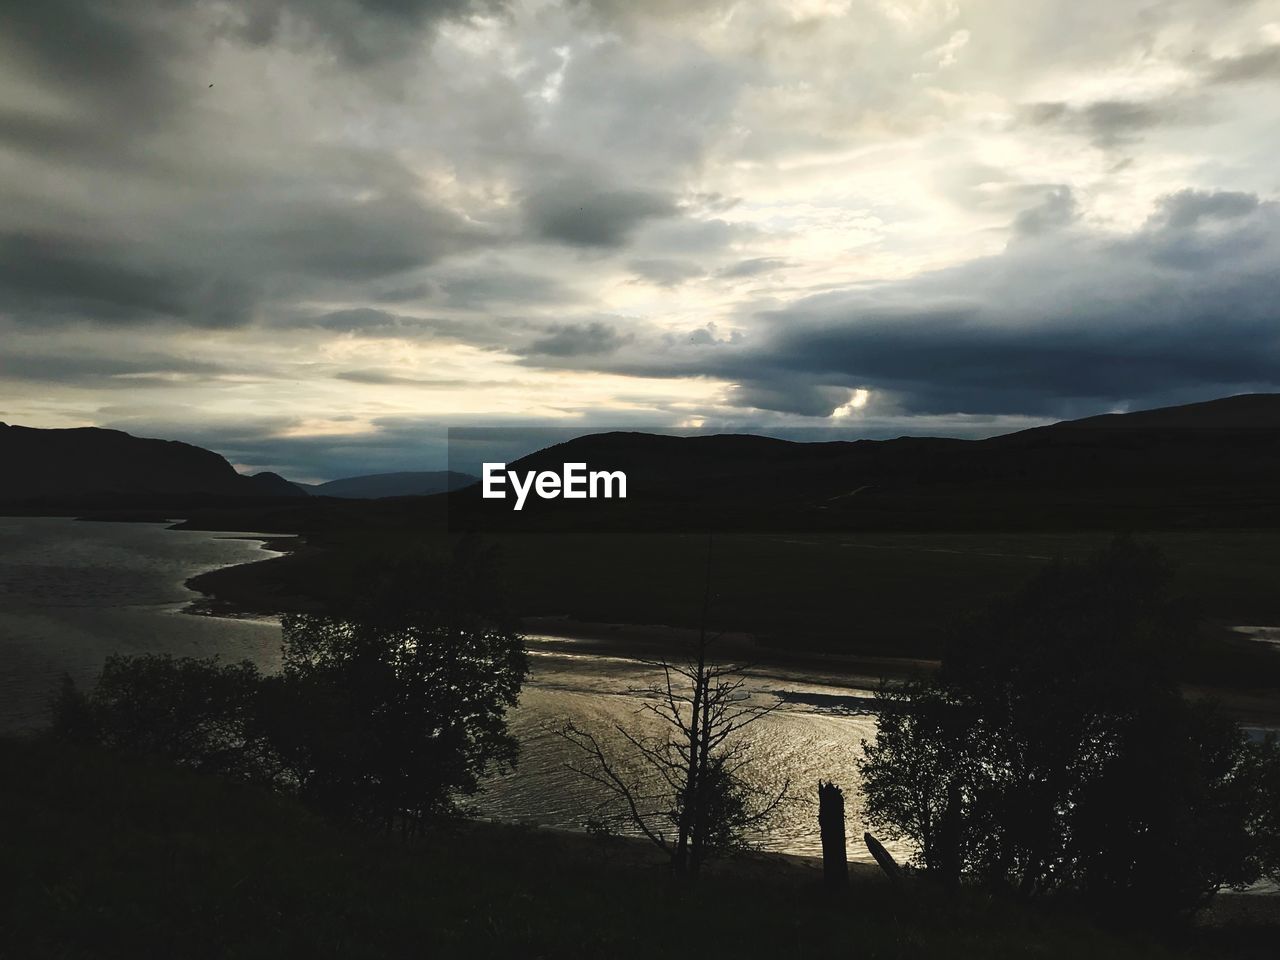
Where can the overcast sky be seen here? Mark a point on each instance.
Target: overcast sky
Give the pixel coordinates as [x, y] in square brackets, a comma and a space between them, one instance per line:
[310, 234]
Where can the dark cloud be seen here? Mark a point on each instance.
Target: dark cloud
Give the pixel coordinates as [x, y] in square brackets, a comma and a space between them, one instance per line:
[387, 378]
[1188, 208]
[97, 370]
[48, 276]
[1261, 64]
[379, 324]
[1110, 123]
[1055, 211]
[794, 396]
[577, 340]
[578, 215]
[1073, 320]
[124, 72]
[113, 62]
[1067, 321]
[752, 268]
[354, 239]
[477, 288]
[362, 32]
[223, 261]
[666, 273]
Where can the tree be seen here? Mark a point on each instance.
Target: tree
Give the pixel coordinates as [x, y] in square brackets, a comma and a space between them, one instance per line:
[684, 789]
[386, 725]
[392, 704]
[1054, 750]
[388, 707]
[195, 713]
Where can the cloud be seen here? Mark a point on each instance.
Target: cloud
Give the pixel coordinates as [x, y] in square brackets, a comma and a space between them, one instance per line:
[1064, 321]
[97, 370]
[666, 272]
[795, 396]
[753, 267]
[582, 216]
[1260, 64]
[1057, 210]
[1188, 305]
[737, 212]
[373, 324]
[478, 287]
[1186, 209]
[578, 340]
[1111, 123]
[384, 378]
[360, 31]
[46, 276]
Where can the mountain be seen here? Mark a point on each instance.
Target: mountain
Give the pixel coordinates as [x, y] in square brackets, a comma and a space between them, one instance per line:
[268, 484]
[1198, 464]
[1248, 411]
[1193, 466]
[93, 463]
[377, 485]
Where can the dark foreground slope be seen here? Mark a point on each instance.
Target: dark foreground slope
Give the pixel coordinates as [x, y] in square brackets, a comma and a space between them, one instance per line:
[104, 858]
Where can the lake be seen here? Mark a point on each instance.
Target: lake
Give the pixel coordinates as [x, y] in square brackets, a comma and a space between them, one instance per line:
[72, 593]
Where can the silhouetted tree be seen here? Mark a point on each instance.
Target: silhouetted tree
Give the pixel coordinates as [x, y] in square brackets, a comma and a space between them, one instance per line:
[386, 725]
[196, 713]
[684, 789]
[385, 711]
[1054, 750]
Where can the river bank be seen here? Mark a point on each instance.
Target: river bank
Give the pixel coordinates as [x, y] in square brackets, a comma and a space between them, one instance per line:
[277, 584]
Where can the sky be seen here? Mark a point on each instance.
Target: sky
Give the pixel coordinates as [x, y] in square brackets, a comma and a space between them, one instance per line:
[314, 234]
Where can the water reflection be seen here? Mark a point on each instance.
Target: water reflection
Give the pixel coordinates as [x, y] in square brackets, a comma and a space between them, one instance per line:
[815, 733]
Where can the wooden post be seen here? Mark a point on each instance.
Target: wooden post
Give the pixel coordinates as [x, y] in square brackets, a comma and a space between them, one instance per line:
[835, 861]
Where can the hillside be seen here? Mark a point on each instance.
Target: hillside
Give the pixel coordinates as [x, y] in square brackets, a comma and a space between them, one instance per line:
[1215, 462]
[166, 863]
[90, 462]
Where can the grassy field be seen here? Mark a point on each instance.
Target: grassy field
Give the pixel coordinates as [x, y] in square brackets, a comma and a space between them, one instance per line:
[107, 858]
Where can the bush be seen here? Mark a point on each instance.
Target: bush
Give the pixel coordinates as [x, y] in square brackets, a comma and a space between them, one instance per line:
[1054, 751]
[386, 710]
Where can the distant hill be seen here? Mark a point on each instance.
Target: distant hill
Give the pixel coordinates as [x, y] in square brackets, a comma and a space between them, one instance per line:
[378, 485]
[1249, 411]
[268, 484]
[1198, 464]
[93, 463]
[1194, 466]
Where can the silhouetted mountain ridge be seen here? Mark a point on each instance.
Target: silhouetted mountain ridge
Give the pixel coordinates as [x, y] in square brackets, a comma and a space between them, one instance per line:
[1196, 461]
[93, 462]
[1195, 465]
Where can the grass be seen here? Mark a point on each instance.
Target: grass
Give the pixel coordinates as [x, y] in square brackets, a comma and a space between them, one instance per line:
[111, 858]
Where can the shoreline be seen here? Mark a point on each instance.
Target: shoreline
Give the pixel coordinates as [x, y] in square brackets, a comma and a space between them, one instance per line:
[242, 590]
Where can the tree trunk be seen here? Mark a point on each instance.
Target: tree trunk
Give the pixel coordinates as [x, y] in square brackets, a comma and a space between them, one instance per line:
[835, 860]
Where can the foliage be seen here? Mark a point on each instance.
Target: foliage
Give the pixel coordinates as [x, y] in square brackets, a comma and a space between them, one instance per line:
[104, 857]
[383, 724]
[1054, 750]
[195, 713]
[385, 710]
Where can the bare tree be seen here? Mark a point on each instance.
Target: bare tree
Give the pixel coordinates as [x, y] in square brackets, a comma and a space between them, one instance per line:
[684, 789]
